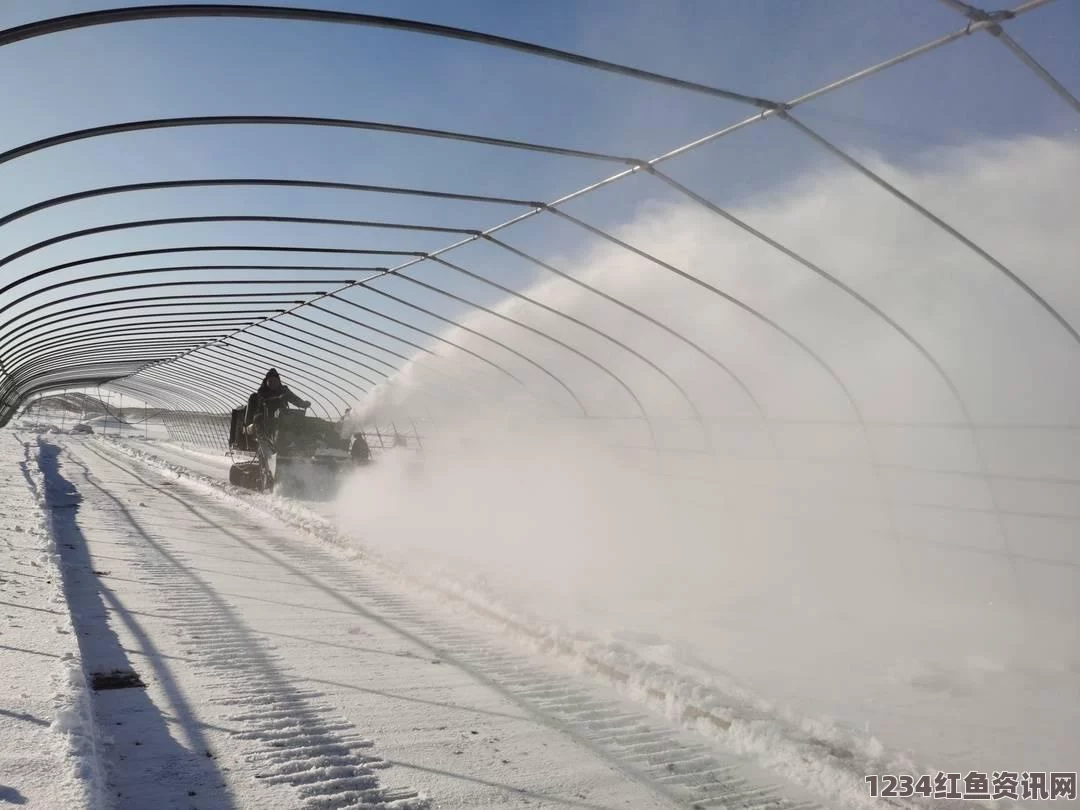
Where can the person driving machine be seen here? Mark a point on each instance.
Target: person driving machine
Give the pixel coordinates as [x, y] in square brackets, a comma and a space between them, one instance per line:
[266, 403]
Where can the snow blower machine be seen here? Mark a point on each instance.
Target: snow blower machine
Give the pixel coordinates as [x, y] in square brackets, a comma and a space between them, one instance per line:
[293, 454]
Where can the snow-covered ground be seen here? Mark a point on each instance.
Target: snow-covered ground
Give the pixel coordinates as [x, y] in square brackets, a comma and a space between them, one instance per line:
[961, 704]
[279, 670]
[48, 751]
[289, 662]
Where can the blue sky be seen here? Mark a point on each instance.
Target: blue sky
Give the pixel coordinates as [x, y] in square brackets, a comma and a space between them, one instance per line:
[210, 67]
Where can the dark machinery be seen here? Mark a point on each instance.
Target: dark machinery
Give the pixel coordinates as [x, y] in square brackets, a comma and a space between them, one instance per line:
[293, 454]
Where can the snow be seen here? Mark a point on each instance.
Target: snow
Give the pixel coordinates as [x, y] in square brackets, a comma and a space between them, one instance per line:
[282, 670]
[195, 459]
[819, 755]
[428, 668]
[49, 749]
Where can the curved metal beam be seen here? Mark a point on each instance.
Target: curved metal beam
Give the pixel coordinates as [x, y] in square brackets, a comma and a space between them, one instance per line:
[182, 300]
[267, 297]
[158, 285]
[682, 274]
[214, 249]
[316, 393]
[301, 121]
[196, 380]
[132, 332]
[60, 325]
[927, 214]
[206, 376]
[306, 220]
[896, 61]
[631, 309]
[153, 223]
[179, 398]
[415, 361]
[544, 369]
[409, 343]
[222, 359]
[146, 349]
[403, 357]
[182, 396]
[183, 220]
[104, 191]
[104, 367]
[8, 408]
[266, 327]
[276, 323]
[65, 321]
[110, 348]
[496, 314]
[280, 349]
[72, 22]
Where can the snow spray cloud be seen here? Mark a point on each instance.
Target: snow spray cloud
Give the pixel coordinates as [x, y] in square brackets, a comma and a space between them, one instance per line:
[768, 543]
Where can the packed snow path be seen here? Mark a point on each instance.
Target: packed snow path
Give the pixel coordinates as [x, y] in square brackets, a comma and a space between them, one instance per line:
[280, 674]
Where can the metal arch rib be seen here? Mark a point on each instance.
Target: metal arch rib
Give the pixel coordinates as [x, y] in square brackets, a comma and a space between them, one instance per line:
[89, 331]
[341, 387]
[995, 29]
[310, 344]
[106, 311]
[152, 223]
[239, 182]
[191, 378]
[303, 121]
[142, 272]
[218, 369]
[266, 344]
[8, 408]
[417, 346]
[308, 340]
[126, 363]
[543, 369]
[111, 16]
[24, 320]
[185, 396]
[521, 296]
[936, 220]
[303, 374]
[896, 60]
[355, 223]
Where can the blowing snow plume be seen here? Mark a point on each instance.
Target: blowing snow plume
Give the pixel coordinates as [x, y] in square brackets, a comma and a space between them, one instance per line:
[861, 554]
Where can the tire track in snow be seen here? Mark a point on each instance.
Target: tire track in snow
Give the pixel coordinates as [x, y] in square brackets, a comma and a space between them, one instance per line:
[294, 739]
[690, 775]
[684, 774]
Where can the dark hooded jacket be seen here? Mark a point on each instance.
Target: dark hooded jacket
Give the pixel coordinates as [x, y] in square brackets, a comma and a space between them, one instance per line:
[274, 400]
